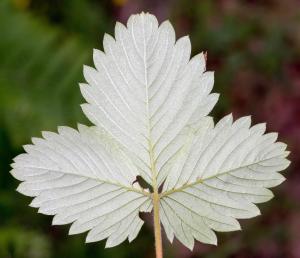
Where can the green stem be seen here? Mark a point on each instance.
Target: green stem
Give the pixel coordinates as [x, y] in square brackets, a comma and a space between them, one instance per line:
[157, 227]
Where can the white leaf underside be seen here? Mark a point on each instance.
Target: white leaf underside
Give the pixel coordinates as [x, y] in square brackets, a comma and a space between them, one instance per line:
[149, 102]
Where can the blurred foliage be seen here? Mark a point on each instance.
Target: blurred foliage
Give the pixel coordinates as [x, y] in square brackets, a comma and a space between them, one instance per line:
[17, 242]
[39, 70]
[254, 46]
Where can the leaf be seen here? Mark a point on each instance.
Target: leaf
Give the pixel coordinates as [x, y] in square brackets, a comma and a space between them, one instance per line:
[223, 172]
[82, 177]
[149, 102]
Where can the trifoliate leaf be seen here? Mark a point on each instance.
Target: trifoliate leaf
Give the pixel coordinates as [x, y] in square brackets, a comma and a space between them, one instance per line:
[149, 102]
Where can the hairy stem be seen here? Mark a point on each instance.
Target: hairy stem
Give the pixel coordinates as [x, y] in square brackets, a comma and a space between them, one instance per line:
[157, 227]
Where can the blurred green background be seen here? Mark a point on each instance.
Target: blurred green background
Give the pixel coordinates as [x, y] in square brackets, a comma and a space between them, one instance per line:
[254, 47]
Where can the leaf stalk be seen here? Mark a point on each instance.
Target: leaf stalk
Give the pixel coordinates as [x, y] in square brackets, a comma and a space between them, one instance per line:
[157, 226]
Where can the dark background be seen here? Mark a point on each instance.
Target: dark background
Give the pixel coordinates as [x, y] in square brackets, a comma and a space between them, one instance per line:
[254, 47]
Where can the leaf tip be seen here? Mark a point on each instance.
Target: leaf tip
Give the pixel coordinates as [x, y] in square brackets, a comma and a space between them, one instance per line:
[74, 229]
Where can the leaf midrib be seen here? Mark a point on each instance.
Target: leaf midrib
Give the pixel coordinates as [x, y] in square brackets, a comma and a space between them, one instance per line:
[202, 180]
[143, 192]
